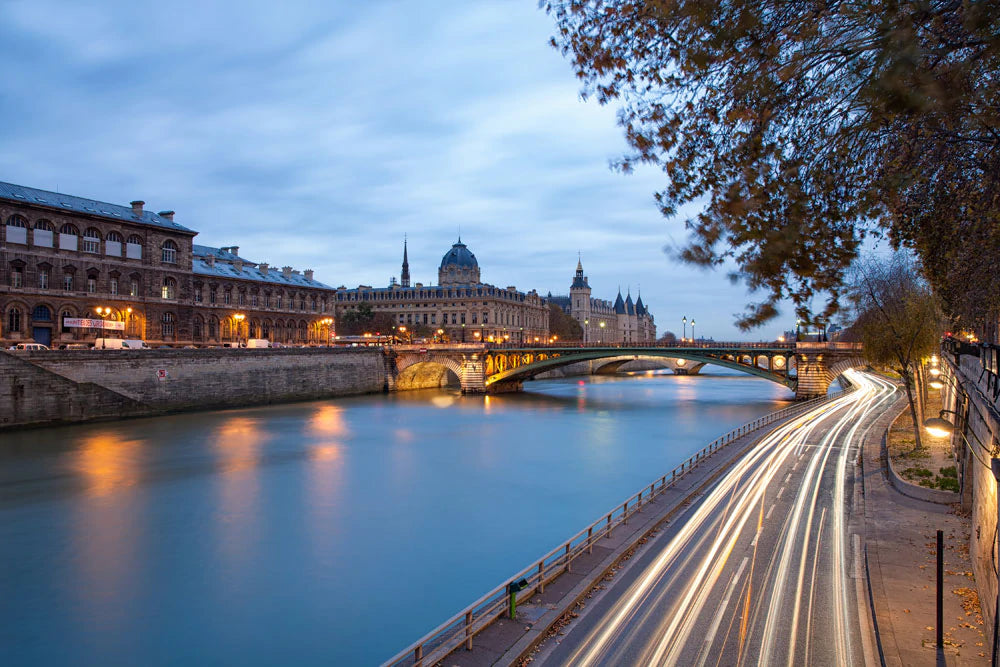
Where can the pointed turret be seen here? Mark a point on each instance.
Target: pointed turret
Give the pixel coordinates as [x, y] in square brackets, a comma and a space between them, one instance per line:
[404, 276]
[640, 309]
[620, 304]
[629, 306]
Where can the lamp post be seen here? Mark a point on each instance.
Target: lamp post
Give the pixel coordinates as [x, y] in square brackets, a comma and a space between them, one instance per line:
[692, 329]
[239, 317]
[798, 325]
[328, 322]
[463, 332]
[103, 312]
[440, 334]
[402, 334]
[684, 321]
[602, 332]
[128, 321]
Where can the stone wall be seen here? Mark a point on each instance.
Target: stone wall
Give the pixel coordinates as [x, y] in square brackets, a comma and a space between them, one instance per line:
[79, 385]
[979, 486]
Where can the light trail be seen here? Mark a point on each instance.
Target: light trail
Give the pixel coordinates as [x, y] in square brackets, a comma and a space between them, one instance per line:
[691, 582]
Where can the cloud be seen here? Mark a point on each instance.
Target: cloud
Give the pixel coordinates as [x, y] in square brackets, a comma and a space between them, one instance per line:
[318, 135]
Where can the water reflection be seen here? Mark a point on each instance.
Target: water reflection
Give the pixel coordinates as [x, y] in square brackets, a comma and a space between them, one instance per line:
[105, 461]
[285, 533]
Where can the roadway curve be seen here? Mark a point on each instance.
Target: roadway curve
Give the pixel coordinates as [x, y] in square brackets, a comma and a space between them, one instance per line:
[760, 570]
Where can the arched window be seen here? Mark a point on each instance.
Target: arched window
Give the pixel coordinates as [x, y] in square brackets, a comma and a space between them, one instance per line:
[113, 245]
[167, 325]
[133, 247]
[41, 314]
[314, 304]
[92, 241]
[14, 320]
[169, 252]
[169, 290]
[17, 230]
[196, 328]
[68, 236]
[42, 236]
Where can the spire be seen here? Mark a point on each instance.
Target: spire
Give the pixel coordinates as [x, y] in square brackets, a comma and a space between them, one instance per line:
[579, 280]
[404, 276]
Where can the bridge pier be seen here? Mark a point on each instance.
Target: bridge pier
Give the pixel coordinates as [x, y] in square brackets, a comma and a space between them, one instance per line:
[814, 377]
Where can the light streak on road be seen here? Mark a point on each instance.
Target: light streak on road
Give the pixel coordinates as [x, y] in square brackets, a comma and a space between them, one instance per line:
[786, 598]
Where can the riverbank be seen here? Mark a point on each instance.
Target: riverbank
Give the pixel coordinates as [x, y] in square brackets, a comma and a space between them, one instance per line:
[69, 386]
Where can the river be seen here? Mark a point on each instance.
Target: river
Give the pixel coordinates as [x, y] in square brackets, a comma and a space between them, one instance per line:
[330, 532]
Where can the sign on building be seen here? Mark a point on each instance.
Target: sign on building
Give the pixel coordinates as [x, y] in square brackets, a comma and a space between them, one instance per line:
[85, 323]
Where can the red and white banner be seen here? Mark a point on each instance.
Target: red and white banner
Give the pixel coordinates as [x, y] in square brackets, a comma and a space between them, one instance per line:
[84, 323]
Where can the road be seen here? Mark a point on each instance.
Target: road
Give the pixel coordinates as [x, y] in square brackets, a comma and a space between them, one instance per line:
[761, 570]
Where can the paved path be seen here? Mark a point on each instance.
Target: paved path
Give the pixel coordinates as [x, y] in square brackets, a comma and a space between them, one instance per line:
[900, 533]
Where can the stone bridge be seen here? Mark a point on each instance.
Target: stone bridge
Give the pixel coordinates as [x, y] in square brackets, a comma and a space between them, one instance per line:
[805, 368]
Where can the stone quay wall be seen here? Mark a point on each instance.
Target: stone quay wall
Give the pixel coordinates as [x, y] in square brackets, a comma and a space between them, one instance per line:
[979, 488]
[62, 386]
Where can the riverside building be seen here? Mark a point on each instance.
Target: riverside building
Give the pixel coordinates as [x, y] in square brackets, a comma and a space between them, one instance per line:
[75, 269]
[461, 305]
[620, 322]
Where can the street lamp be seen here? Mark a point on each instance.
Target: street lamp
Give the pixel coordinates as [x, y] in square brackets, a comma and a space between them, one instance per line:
[239, 317]
[692, 329]
[602, 332]
[402, 332]
[328, 321]
[684, 321]
[463, 332]
[103, 312]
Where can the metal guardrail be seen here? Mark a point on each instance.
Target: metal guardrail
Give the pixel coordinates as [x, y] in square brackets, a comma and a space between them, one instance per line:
[461, 628]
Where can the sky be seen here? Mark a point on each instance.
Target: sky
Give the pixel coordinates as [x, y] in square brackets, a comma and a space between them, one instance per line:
[318, 134]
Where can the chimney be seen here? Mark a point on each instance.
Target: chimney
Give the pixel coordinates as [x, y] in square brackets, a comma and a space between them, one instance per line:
[169, 215]
[238, 265]
[235, 250]
[309, 274]
[210, 260]
[263, 267]
[286, 271]
[137, 208]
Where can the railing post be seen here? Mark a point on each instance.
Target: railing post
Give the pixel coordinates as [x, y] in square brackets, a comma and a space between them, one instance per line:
[609, 526]
[590, 542]
[468, 631]
[418, 655]
[638, 504]
[568, 568]
[625, 514]
[541, 576]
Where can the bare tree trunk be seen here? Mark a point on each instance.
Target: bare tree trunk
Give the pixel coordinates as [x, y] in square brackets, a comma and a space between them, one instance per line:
[908, 382]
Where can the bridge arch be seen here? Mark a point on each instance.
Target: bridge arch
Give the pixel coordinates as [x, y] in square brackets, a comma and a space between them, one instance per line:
[517, 374]
[427, 373]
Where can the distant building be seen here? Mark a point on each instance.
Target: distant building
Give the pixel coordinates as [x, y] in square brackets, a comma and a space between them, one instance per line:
[623, 321]
[461, 305]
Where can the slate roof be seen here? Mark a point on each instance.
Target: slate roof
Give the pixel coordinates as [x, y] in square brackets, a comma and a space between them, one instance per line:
[620, 304]
[218, 253]
[224, 269]
[459, 255]
[26, 195]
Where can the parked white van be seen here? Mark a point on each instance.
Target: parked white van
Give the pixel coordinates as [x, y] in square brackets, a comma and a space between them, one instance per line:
[258, 342]
[119, 344]
[29, 346]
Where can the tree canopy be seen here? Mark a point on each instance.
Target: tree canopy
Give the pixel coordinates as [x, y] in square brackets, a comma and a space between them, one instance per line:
[563, 325]
[803, 127]
[897, 319]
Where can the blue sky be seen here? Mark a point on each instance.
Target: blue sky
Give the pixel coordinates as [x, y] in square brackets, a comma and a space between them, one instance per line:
[318, 134]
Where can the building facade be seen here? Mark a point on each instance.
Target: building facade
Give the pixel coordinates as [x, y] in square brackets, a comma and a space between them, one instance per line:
[461, 305]
[75, 269]
[604, 322]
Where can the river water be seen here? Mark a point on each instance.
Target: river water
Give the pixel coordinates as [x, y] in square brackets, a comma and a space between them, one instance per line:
[332, 532]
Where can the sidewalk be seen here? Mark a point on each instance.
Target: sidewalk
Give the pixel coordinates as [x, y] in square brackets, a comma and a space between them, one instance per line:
[900, 537]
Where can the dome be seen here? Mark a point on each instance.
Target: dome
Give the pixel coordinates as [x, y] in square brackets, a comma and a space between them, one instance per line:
[460, 256]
